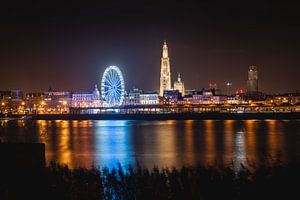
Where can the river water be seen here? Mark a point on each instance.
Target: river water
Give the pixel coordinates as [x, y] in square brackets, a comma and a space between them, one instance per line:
[167, 143]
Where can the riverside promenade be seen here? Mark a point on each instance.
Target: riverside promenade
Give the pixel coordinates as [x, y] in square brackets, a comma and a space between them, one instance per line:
[164, 116]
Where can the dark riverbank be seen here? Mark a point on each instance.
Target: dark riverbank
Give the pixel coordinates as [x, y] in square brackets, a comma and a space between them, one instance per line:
[59, 182]
[170, 116]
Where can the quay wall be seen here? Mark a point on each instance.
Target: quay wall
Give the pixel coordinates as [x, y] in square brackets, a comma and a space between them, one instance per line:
[169, 116]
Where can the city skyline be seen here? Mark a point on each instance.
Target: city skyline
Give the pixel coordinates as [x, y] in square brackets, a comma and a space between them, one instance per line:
[221, 85]
[68, 47]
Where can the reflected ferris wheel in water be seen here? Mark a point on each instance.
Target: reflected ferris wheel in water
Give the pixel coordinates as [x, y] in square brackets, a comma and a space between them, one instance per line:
[112, 86]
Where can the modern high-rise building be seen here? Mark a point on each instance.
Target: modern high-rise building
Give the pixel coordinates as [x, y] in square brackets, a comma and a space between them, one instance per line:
[165, 71]
[252, 82]
[179, 85]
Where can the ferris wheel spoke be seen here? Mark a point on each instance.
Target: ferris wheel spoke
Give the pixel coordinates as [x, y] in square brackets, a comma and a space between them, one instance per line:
[107, 87]
[117, 78]
[106, 93]
[108, 83]
[114, 75]
[118, 92]
[114, 78]
[109, 96]
[108, 80]
[119, 84]
[111, 91]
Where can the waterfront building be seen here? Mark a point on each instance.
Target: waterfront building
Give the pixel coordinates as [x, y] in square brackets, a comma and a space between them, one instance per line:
[188, 99]
[165, 71]
[11, 95]
[57, 101]
[171, 96]
[287, 98]
[4, 94]
[134, 96]
[232, 99]
[35, 103]
[17, 95]
[87, 99]
[197, 97]
[253, 93]
[252, 82]
[149, 98]
[12, 101]
[219, 99]
[189, 92]
[207, 96]
[139, 97]
[179, 85]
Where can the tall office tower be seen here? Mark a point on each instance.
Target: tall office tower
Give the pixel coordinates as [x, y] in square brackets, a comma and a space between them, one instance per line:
[165, 72]
[179, 85]
[252, 82]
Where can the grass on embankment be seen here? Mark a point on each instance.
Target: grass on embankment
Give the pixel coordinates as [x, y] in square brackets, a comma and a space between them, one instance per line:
[279, 181]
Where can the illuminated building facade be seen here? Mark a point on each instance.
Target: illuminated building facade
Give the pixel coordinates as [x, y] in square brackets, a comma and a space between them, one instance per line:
[207, 96]
[139, 97]
[203, 97]
[288, 98]
[171, 96]
[57, 101]
[87, 99]
[35, 102]
[232, 99]
[165, 71]
[252, 82]
[149, 98]
[179, 85]
[219, 99]
[134, 97]
[12, 101]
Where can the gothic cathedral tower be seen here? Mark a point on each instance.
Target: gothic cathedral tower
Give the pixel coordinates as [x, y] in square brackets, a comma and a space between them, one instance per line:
[165, 71]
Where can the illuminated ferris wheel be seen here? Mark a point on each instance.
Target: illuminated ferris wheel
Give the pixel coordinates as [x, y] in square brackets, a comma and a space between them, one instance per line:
[112, 86]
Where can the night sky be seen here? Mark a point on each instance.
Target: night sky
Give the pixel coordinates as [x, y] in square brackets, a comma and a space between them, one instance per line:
[67, 46]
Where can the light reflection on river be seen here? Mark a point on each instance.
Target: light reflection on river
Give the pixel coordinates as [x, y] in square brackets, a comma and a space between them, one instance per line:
[161, 143]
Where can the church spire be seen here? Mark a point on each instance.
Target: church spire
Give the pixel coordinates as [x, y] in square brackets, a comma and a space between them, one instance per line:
[165, 50]
[165, 71]
[179, 85]
[179, 79]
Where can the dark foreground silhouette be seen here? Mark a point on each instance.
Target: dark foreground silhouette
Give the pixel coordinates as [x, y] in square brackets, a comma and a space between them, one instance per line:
[279, 181]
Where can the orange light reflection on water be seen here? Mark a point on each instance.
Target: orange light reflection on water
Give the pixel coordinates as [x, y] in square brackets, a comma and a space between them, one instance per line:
[275, 141]
[250, 137]
[210, 149]
[166, 144]
[64, 153]
[228, 141]
[189, 142]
